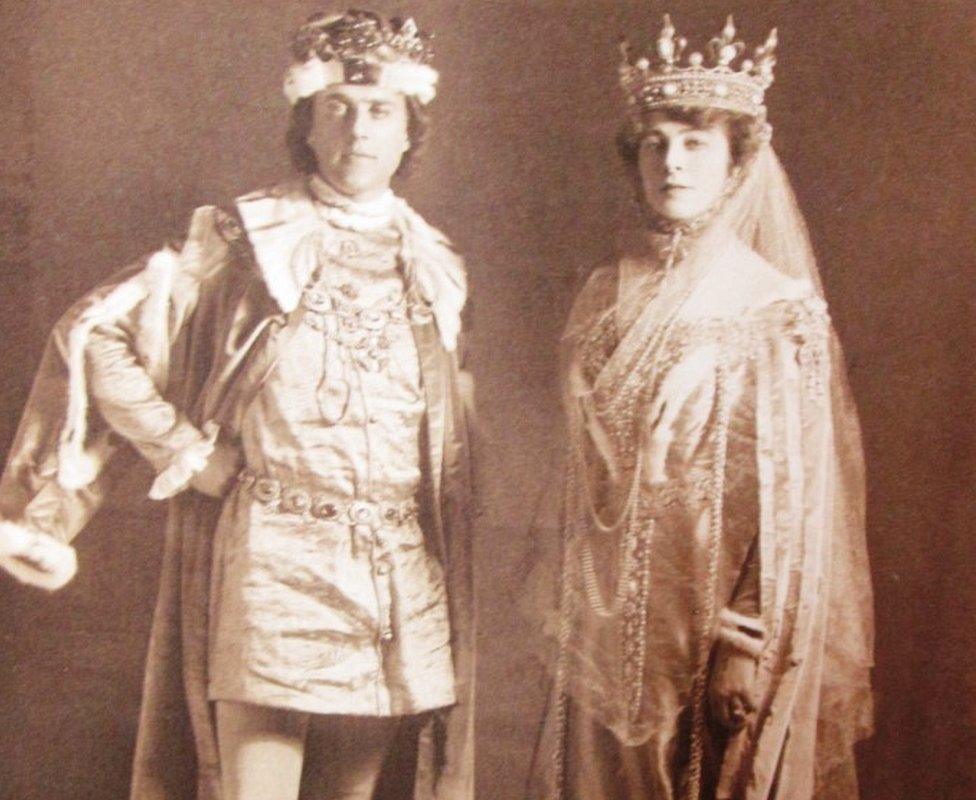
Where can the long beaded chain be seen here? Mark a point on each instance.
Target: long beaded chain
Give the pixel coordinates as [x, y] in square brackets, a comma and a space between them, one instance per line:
[562, 668]
[634, 548]
[586, 514]
[623, 404]
[716, 511]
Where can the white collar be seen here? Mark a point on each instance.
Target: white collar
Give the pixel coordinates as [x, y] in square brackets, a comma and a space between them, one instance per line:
[344, 212]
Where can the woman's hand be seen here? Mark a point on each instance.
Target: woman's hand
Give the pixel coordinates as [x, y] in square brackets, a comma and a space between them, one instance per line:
[222, 467]
[731, 691]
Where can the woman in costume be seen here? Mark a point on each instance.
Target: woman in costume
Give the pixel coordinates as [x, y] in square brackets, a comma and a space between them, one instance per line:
[290, 372]
[715, 613]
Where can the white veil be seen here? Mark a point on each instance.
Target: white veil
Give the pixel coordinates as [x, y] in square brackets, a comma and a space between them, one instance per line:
[760, 211]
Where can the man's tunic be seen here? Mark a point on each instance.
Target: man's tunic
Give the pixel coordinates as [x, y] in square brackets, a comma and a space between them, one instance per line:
[164, 355]
[314, 609]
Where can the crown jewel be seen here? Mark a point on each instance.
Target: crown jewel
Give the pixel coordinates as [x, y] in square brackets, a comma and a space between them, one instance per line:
[358, 34]
[360, 47]
[716, 83]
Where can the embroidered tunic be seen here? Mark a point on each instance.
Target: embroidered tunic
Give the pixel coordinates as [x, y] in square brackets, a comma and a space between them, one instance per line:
[325, 598]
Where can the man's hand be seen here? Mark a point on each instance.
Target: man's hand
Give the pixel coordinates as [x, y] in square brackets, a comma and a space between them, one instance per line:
[221, 469]
[731, 691]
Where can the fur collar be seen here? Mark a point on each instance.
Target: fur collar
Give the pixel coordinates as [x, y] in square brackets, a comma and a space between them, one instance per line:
[278, 219]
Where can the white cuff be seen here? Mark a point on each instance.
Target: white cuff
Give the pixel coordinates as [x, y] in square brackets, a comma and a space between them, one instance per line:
[36, 558]
[185, 464]
[744, 633]
[733, 619]
[743, 642]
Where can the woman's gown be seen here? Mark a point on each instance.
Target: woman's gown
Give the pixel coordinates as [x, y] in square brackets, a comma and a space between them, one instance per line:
[704, 472]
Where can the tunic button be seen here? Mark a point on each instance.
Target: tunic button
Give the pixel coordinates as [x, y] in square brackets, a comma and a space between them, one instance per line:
[382, 569]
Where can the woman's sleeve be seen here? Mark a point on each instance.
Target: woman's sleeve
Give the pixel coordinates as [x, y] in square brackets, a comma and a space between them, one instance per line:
[805, 492]
[745, 598]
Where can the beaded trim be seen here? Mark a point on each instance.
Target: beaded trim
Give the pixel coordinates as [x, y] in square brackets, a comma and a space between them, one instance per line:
[810, 334]
[706, 615]
[561, 687]
[805, 323]
[363, 331]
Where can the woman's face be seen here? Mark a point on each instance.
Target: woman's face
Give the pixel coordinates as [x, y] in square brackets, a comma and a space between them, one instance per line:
[683, 169]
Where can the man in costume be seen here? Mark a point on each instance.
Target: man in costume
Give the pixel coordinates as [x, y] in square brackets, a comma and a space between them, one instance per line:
[290, 372]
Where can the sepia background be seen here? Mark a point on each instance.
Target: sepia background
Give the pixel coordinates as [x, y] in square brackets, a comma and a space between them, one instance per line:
[117, 117]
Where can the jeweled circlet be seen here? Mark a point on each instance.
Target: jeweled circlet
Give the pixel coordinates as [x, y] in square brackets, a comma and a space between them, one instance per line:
[360, 47]
[357, 33]
[660, 80]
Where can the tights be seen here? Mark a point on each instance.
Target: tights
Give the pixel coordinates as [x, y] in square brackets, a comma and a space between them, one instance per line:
[263, 753]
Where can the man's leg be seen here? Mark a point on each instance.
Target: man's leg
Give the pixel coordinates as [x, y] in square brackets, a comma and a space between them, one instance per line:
[345, 756]
[261, 751]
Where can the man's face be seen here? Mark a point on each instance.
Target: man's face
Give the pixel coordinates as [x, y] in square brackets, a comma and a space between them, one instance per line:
[359, 136]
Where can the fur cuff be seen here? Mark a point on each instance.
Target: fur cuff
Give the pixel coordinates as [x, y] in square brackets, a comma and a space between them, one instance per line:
[36, 558]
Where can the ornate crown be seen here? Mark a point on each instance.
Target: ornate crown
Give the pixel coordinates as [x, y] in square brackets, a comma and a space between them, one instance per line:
[661, 81]
[359, 46]
[361, 34]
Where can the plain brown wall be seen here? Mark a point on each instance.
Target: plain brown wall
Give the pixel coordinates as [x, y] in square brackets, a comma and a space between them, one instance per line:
[118, 117]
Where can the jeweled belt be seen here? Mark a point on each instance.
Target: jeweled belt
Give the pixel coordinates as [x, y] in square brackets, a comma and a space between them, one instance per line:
[289, 499]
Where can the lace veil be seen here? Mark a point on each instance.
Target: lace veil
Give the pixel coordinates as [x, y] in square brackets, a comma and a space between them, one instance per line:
[644, 295]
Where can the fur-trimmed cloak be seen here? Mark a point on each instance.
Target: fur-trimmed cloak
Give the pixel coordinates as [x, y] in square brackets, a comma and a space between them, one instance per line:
[189, 316]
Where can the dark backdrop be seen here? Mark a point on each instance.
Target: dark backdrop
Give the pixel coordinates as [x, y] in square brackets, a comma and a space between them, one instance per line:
[117, 117]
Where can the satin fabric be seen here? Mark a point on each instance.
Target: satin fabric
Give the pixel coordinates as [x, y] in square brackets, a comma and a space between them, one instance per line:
[702, 435]
[190, 316]
[323, 615]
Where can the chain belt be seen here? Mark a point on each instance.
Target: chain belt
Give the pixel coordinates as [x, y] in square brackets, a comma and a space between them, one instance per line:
[289, 499]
